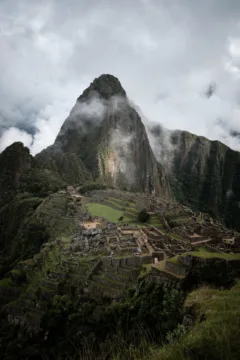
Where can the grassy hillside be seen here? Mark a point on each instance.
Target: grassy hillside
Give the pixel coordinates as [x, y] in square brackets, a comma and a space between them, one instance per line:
[214, 333]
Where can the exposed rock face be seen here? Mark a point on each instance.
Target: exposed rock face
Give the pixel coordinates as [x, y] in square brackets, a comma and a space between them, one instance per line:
[106, 86]
[204, 174]
[107, 137]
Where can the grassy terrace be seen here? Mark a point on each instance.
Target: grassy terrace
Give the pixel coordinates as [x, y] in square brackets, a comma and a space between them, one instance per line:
[125, 204]
[112, 214]
[181, 219]
[106, 212]
[174, 260]
[176, 237]
[204, 253]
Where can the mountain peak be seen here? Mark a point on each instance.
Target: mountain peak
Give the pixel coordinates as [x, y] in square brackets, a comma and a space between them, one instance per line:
[106, 86]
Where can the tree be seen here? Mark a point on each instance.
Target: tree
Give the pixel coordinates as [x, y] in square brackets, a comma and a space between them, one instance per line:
[143, 216]
[121, 218]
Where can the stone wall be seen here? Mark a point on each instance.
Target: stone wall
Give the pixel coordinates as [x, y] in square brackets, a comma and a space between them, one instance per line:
[161, 277]
[94, 269]
[169, 253]
[177, 269]
[186, 260]
[131, 262]
[211, 249]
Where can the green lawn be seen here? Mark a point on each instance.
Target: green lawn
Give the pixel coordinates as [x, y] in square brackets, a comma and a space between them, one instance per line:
[174, 260]
[204, 253]
[106, 212]
[176, 237]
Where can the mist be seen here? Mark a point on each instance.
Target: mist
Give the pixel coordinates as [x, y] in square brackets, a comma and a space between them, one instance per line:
[164, 53]
[120, 144]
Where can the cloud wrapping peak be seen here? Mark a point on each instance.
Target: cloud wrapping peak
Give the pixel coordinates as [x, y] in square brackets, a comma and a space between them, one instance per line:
[165, 53]
[120, 143]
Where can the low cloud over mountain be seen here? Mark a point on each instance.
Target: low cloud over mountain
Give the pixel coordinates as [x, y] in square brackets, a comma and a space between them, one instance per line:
[165, 54]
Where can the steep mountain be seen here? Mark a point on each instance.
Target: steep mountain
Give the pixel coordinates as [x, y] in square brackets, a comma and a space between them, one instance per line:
[204, 174]
[14, 162]
[107, 140]
[23, 186]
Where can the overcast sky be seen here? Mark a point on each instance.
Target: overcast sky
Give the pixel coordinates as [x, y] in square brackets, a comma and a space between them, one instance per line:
[164, 52]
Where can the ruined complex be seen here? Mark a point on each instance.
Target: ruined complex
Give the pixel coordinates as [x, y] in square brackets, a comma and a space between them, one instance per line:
[103, 258]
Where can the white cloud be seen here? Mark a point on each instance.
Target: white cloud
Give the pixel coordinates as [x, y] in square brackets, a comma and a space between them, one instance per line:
[52, 50]
[11, 135]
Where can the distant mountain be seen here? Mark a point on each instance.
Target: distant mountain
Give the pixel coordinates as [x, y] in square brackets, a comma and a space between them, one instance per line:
[204, 174]
[106, 140]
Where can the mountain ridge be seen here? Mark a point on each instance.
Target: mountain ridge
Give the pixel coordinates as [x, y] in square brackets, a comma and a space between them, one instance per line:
[204, 174]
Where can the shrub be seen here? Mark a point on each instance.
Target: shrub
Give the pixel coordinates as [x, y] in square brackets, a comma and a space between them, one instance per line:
[143, 216]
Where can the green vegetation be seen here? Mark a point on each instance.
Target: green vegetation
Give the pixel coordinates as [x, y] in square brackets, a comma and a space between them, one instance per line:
[215, 338]
[40, 182]
[204, 253]
[94, 186]
[106, 212]
[176, 237]
[155, 221]
[213, 335]
[74, 322]
[174, 260]
[143, 216]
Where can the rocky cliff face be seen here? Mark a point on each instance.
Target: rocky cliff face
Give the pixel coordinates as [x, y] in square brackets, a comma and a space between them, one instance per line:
[105, 134]
[204, 174]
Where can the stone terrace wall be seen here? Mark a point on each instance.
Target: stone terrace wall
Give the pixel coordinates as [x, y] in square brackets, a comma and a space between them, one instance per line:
[160, 277]
[177, 269]
[126, 261]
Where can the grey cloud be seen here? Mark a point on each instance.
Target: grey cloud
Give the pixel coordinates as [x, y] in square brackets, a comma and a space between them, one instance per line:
[52, 50]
